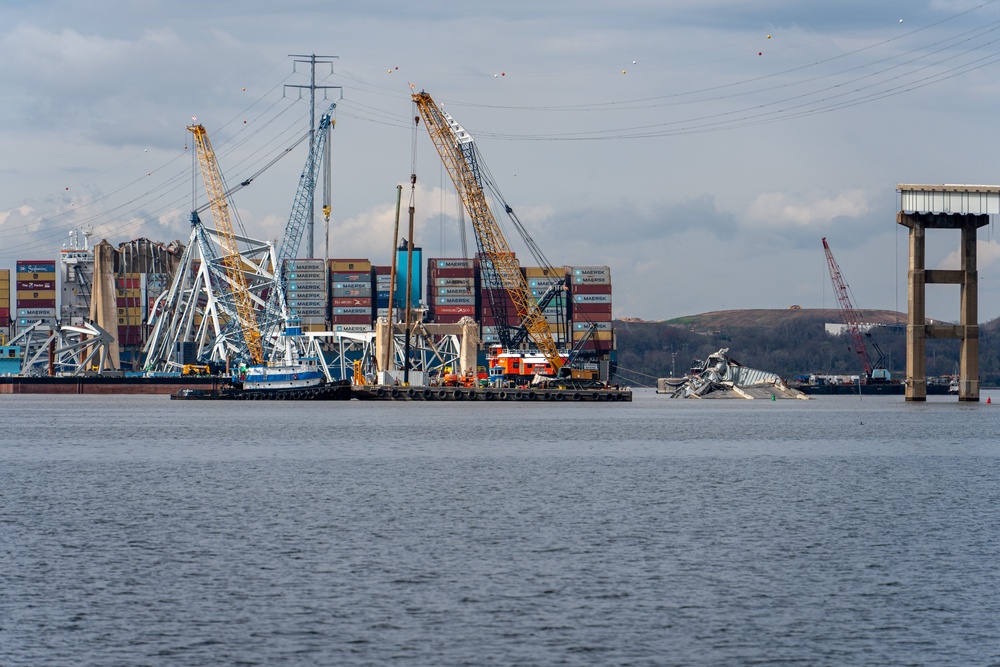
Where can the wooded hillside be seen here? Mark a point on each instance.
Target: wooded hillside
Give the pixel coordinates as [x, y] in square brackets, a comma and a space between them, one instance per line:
[787, 342]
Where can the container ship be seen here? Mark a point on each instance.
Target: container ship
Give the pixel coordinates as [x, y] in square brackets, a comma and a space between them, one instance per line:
[336, 300]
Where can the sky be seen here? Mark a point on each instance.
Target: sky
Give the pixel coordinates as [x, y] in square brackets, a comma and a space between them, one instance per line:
[701, 149]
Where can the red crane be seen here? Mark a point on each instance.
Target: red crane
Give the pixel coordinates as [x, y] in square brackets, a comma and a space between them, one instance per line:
[853, 320]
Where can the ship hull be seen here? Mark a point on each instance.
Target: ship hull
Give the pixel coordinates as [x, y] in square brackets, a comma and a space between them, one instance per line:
[337, 391]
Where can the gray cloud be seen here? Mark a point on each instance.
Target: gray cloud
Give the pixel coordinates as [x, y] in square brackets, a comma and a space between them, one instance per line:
[735, 161]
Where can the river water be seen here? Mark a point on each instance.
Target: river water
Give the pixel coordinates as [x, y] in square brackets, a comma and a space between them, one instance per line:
[135, 530]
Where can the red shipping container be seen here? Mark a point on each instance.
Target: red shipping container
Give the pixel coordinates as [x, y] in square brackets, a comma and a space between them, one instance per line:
[382, 270]
[128, 283]
[351, 302]
[593, 309]
[488, 310]
[36, 303]
[455, 310]
[590, 289]
[32, 285]
[4, 312]
[453, 273]
[448, 319]
[352, 319]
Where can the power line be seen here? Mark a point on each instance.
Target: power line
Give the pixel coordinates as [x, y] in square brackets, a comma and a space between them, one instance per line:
[312, 61]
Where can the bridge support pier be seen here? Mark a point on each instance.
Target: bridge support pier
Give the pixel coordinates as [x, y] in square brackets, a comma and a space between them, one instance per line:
[967, 277]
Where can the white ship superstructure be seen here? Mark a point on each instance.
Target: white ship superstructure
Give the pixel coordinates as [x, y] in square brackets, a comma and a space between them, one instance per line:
[76, 275]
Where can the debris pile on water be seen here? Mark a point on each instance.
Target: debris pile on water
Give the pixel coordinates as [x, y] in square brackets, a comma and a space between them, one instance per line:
[720, 376]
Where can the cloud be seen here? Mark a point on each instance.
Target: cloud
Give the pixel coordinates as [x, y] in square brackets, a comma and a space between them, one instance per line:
[20, 212]
[987, 254]
[627, 222]
[814, 209]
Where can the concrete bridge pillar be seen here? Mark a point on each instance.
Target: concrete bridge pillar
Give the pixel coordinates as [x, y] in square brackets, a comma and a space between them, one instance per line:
[967, 277]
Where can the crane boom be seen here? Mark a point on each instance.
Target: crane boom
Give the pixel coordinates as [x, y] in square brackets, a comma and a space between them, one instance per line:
[488, 233]
[851, 317]
[232, 259]
[297, 220]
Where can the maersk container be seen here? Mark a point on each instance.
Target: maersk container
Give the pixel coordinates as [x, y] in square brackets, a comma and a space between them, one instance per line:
[591, 298]
[352, 328]
[307, 312]
[448, 263]
[353, 285]
[302, 282]
[583, 325]
[307, 303]
[311, 276]
[590, 270]
[455, 301]
[454, 291]
[591, 280]
[307, 296]
[36, 312]
[542, 283]
[25, 321]
[469, 282]
[353, 311]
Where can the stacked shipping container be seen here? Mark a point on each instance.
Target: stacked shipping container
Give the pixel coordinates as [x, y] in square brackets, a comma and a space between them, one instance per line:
[451, 289]
[351, 298]
[383, 281]
[305, 292]
[131, 308]
[540, 279]
[590, 303]
[351, 294]
[5, 304]
[488, 295]
[35, 290]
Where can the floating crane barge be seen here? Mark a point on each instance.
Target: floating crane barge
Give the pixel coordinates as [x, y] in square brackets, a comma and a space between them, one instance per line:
[392, 393]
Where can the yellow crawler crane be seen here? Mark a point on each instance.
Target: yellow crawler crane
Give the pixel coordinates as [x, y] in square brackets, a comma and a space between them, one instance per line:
[232, 259]
[488, 232]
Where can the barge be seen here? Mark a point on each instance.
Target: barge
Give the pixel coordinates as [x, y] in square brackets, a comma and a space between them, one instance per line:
[331, 391]
[104, 384]
[396, 393]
